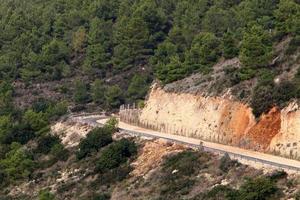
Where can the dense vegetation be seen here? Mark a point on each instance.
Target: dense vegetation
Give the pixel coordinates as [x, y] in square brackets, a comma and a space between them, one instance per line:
[138, 41]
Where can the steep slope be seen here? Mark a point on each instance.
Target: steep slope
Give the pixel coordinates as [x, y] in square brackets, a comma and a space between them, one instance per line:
[223, 120]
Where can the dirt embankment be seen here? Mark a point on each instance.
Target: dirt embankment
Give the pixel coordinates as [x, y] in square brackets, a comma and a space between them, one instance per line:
[224, 120]
[70, 132]
[152, 154]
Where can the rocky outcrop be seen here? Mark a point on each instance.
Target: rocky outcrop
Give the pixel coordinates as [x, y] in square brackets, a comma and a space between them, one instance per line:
[223, 120]
[287, 142]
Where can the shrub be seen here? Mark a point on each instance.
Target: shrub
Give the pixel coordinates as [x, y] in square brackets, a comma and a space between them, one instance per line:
[20, 133]
[185, 162]
[46, 142]
[116, 154]
[46, 195]
[294, 45]
[2, 177]
[261, 188]
[101, 197]
[98, 91]
[262, 99]
[113, 176]
[17, 164]
[237, 75]
[219, 192]
[14, 132]
[95, 139]
[41, 105]
[226, 163]
[56, 110]
[278, 174]
[59, 152]
[137, 88]
[229, 45]
[36, 120]
[284, 92]
[141, 104]
[81, 92]
[297, 196]
[175, 184]
[256, 48]
[113, 96]
[111, 124]
[266, 95]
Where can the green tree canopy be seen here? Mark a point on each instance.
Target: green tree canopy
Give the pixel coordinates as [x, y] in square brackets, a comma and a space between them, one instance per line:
[256, 49]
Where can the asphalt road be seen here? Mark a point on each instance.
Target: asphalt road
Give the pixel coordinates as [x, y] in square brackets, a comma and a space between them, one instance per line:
[235, 152]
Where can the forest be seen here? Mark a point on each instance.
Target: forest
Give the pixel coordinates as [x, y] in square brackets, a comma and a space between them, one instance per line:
[139, 41]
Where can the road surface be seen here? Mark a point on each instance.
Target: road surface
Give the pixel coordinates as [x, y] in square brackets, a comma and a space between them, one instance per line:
[238, 153]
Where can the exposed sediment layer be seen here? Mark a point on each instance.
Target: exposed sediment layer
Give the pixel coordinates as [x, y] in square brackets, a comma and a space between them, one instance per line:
[223, 120]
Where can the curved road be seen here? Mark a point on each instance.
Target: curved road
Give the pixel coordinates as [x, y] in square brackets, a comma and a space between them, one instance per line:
[235, 152]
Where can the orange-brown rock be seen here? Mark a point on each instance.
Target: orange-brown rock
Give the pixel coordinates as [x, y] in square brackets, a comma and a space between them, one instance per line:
[223, 120]
[266, 129]
[152, 155]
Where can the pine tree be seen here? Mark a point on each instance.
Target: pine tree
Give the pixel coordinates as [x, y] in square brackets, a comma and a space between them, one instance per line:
[81, 93]
[203, 53]
[229, 45]
[98, 91]
[132, 37]
[256, 48]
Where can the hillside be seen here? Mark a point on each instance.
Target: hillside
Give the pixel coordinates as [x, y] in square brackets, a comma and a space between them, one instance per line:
[226, 70]
[157, 170]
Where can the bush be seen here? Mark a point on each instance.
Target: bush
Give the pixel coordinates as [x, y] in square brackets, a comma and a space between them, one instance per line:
[113, 176]
[95, 140]
[266, 95]
[261, 188]
[185, 162]
[17, 164]
[137, 88]
[112, 124]
[2, 177]
[101, 197]
[14, 132]
[46, 195]
[219, 192]
[59, 152]
[256, 47]
[46, 142]
[297, 196]
[116, 154]
[81, 94]
[229, 45]
[174, 185]
[57, 110]
[284, 92]
[262, 99]
[294, 45]
[278, 174]
[41, 105]
[98, 91]
[36, 120]
[226, 163]
[113, 96]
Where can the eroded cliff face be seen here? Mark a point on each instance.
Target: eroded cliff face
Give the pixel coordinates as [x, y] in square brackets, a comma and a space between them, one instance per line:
[287, 142]
[223, 120]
